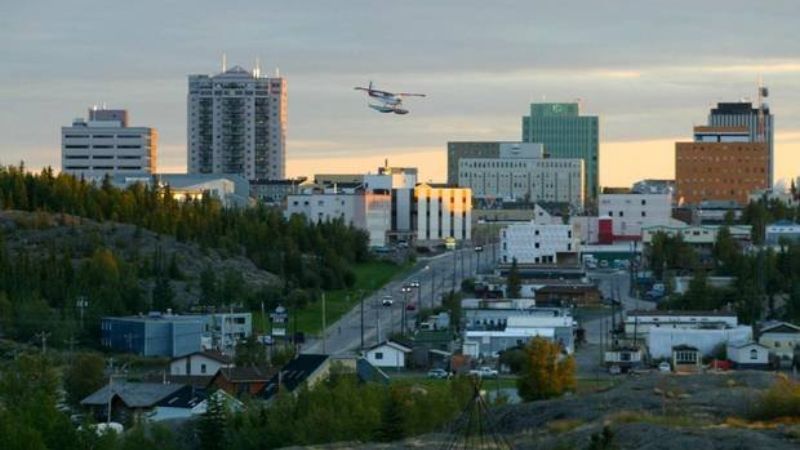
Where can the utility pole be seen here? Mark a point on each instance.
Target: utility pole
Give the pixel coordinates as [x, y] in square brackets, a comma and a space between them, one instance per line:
[43, 338]
[81, 304]
[362, 320]
[378, 322]
[453, 286]
[71, 343]
[324, 326]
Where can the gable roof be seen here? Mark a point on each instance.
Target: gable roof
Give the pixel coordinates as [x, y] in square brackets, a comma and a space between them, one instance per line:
[134, 395]
[293, 374]
[747, 344]
[393, 344]
[186, 397]
[244, 374]
[214, 356]
[781, 327]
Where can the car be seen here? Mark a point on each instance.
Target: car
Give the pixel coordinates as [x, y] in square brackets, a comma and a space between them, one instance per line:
[664, 367]
[414, 284]
[411, 307]
[484, 372]
[387, 300]
[438, 374]
[478, 248]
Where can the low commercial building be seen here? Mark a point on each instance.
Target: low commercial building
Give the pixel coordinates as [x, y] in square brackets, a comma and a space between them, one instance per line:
[533, 243]
[274, 192]
[630, 212]
[708, 341]
[491, 328]
[782, 232]
[155, 334]
[230, 190]
[699, 235]
[641, 323]
[442, 211]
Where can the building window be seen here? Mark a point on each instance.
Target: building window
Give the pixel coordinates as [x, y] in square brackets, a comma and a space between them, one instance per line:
[378, 355]
[644, 214]
[202, 368]
[753, 354]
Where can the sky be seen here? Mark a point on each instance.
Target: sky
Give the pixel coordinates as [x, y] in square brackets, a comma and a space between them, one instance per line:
[650, 70]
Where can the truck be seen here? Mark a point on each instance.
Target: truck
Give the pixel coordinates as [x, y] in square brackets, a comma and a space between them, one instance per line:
[484, 372]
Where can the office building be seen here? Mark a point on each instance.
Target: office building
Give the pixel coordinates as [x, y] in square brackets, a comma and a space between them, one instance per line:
[458, 150]
[155, 334]
[400, 181]
[237, 124]
[722, 164]
[442, 211]
[274, 192]
[534, 243]
[756, 119]
[566, 134]
[782, 232]
[630, 212]
[104, 145]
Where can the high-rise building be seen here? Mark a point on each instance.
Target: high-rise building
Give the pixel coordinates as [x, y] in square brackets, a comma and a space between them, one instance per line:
[566, 133]
[722, 164]
[758, 120]
[105, 145]
[467, 149]
[237, 124]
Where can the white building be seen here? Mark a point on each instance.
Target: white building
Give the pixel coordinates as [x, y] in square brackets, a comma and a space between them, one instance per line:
[696, 234]
[387, 354]
[237, 124]
[661, 341]
[400, 181]
[748, 355]
[227, 329]
[532, 179]
[533, 243]
[105, 145]
[781, 338]
[442, 211]
[231, 190]
[629, 213]
[782, 231]
[642, 322]
[199, 364]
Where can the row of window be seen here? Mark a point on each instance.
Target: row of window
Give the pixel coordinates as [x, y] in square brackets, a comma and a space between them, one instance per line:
[103, 168]
[103, 136]
[101, 146]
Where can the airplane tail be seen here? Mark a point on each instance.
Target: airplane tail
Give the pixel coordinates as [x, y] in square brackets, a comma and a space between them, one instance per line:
[370, 85]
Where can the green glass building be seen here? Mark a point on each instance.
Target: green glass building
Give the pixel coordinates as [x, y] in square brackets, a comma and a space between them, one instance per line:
[566, 134]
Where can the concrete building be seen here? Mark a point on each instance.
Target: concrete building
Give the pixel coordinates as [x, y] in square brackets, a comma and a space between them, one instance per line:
[155, 334]
[532, 243]
[237, 124]
[227, 329]
[491, 331]
[274, 192]
[400, 181]
[654, 186]
[744, 114]
[782, 231]
[104, 145]
[708, 341]
[641, 323]
[231, 190]
[566, 134]
[698, 235]
[442, 211]
[468, 149]
[630, 212]
[721, 164]
[530, 179]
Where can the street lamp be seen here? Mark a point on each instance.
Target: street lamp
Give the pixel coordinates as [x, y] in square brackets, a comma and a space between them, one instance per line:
[405, 290]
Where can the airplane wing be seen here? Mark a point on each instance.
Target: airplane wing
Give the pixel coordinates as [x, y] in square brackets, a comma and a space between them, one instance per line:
[374, 92]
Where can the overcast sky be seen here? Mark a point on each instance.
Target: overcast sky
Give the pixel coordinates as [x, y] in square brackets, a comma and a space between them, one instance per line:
[649, 69]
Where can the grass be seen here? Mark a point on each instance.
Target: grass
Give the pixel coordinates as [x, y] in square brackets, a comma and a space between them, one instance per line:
[668, 420]
[370, 277]
[589, 385]
[563, 425]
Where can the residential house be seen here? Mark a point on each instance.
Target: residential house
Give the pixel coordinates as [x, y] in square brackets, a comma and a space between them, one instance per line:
[129, 401]
[204, 363]
[748, 355]
[305, 369]
[626, 358]
[241, 381]
[387, 354]
[181, 404]
[781, 339]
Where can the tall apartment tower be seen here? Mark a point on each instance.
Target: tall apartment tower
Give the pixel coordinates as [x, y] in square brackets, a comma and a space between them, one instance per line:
[237, 124]
[105, 145]
[757, 119]
[566, 133]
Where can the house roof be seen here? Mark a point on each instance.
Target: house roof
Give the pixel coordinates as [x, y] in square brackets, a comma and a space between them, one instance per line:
[215, 356]
[684, 347]
[245, 374]
[293, 374]
[186, 397]
[781, 327]
[641, 313]
[134, 395]
[198, 381]
[747, 344]
[393, 344]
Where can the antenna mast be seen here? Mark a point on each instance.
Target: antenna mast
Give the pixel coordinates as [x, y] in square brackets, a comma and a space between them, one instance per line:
[224, 62]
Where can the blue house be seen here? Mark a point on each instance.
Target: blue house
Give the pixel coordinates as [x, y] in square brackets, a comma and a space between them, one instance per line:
[155, 334]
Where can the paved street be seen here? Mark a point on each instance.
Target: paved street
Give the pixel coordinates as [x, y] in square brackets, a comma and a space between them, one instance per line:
[435, 275]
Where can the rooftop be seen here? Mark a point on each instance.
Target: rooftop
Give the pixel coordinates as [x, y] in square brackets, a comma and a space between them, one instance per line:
[134, 395]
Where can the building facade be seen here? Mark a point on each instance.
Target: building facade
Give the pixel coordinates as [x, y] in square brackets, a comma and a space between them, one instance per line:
[782, 231]
[722, 164]
[630, 212]
[533, 243]
[274, 192]
[104, 145]
[533, 180]
[154, 335]
[442, 211]
[566, 133]
[757, 120]
[237, 124]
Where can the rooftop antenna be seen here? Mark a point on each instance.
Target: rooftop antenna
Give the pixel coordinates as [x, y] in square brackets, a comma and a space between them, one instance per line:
[763, 92]
[257, 69]
[277, 72]
[224, 62]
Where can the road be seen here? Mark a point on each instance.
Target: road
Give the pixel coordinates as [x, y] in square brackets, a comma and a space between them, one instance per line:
[613, 284]
[436, 275]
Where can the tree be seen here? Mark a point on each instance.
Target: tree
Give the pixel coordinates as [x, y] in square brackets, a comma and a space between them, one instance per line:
[211, 427]
[514, 288]
[250, 352]
[546, 373]
[392, 418]
[84, 376]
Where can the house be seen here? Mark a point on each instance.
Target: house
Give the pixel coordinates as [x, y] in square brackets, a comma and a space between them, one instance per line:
[204, 363]
[305, 369]
[686, 359]
[129, 401]
[750, 355]
[625, 358]
[573, 293]
[240, 381]
[181, 404]
[781, 338]
[387, 354]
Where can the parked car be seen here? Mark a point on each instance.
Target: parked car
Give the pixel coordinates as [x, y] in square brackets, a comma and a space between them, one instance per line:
[664, 367]
[484, 372]
[438, 374]
[387, 300]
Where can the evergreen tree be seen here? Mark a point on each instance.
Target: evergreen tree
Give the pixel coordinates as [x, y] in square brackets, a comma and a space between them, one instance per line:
[211, 428]
[514, 287]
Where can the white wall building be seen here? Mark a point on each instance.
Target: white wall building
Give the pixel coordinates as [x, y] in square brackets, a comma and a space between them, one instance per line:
[748, 355]
[630, 212]
[781, 338]
[533, 243]
[696, 234]
[227, 329]
[199, 364]
[387, 354]
[105, 145]
[660, 341]
[534, 179]
[237, 124]
[782, 231]
[442, 211]
[642, 322]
